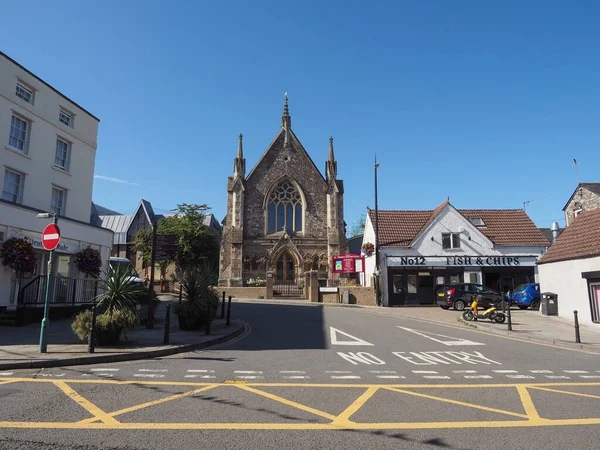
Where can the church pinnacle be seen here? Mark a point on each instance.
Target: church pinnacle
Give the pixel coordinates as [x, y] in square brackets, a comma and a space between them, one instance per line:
[331, 165]
[286, 119]
[239, 163]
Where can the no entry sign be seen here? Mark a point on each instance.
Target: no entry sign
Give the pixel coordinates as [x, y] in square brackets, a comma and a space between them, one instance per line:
[51, 237]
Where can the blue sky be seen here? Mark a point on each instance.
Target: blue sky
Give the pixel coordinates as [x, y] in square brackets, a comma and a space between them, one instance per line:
[485, 102]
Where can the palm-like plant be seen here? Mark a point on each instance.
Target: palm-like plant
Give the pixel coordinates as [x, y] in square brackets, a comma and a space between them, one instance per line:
[201, 299]
[119, 294]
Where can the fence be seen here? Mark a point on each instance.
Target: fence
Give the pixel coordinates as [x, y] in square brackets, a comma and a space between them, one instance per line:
[287, 289]
[63, 291]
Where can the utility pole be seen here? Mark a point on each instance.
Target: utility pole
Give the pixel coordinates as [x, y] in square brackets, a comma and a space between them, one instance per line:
[377, 285]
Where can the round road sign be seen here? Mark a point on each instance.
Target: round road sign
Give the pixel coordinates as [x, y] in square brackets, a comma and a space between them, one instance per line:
[51, 237]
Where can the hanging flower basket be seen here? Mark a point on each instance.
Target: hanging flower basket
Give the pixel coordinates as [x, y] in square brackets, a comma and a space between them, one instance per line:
[18, 254]
[367, 249]
[262, 260]
[89, 261]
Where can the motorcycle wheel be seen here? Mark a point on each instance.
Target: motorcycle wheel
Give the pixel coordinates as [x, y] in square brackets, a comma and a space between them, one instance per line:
[468, 315]
[499, 318]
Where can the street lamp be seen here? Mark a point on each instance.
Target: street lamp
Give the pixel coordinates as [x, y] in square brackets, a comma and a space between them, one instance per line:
[377, 271]
[44, 328]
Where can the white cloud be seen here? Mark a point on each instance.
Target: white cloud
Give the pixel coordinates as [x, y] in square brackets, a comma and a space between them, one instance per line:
[115, 180]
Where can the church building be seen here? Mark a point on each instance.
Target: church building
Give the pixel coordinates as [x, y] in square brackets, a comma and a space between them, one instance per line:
[283, 217]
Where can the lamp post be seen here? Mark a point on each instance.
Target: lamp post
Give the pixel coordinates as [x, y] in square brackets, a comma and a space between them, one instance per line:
[377, 272]
[44, 328]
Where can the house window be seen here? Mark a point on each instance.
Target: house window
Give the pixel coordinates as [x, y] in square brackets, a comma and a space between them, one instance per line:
[450, 240]
[284, 210]
[18, 134]
[59, 201]
[61, 157]
[24, 93]
[477, 221]
[65, 117]
[12, 189]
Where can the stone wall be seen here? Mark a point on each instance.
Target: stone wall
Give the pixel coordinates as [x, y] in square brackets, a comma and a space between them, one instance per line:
[358, 295]
[586, 198]
[242, 292]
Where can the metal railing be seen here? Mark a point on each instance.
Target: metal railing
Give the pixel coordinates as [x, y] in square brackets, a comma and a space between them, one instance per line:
[287, 289]
[63, 291]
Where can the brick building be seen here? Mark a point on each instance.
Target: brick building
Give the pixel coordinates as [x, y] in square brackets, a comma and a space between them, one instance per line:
[585, 198]
[284, 217]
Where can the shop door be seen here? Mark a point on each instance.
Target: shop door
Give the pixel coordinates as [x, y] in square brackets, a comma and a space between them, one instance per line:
[426, 290]
[397, 290]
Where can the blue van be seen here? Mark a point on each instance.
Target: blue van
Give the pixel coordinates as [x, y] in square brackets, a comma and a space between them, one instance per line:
[527, 296]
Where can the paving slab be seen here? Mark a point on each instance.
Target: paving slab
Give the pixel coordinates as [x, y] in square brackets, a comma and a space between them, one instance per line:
[19, 346]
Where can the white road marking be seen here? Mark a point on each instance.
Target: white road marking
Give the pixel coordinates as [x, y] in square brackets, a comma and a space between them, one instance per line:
[395, 377]
[464, 371]
[505, 371]
[361, 357]
[296, 377]
[333, 332]
[148, 375]
[104, 374]
[292, 371]
[345, 377]
[51, 375]
[520, 377]
[104, 369]
[424, 371]
[250, 377]
[201, 376]
[247, 371]
[436, 377]
[153, 370]
[201, 371]
[338, 371]
[383, 371]
[589, 376]
[558, 377]
[486, 377]
[450, 343]
[541, 371]
[6, 374]
[575, 371]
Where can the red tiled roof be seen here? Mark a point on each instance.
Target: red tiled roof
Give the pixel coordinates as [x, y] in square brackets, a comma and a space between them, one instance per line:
[581, 239]
[502, 226]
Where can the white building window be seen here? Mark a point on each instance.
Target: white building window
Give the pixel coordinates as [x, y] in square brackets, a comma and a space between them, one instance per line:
[62, 155]
[24, 93]
[65, 117]
[18, 134]
[12, 188]
[450, 240]
[59, 201]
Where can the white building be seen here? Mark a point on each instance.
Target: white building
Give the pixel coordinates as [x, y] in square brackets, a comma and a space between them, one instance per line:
[47, 155]
[571, 268]
[420, 251]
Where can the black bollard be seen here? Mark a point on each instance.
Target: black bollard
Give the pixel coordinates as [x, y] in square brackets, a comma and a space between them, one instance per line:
[577, 336]
[208, 324]
[92, 335]
[229, 311]
[223, 306]
[509, 318]
[180, 292]
[167, 325]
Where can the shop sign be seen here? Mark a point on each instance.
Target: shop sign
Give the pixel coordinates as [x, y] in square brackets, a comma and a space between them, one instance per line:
[466, 261]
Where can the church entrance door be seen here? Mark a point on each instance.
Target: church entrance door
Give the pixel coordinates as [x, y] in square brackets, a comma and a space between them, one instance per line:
[285, 283]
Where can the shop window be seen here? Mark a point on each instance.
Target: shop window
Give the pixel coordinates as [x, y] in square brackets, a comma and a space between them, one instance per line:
[412, 284]
[450, 240]
[595, 301]
[473, 278]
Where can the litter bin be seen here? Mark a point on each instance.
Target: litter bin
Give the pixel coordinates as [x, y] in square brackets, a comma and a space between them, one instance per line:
[549, 304]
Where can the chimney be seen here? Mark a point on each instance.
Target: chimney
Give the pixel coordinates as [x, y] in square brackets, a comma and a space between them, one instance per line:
[555, 230]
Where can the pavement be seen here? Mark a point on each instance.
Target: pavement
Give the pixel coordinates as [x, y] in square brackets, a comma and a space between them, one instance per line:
[526, 324]
[19, 346]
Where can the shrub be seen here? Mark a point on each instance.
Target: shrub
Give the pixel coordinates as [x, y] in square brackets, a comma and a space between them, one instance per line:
[260, 297]
[201, 300]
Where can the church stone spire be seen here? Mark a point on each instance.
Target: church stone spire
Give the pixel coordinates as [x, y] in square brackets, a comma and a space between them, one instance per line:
[331, 167]
[239, 163]
[286, 119]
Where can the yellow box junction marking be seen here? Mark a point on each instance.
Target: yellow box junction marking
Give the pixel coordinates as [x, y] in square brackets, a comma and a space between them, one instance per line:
[106, 420]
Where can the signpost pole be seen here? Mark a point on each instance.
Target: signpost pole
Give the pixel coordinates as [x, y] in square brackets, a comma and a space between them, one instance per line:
[150, 321]
[43, 343]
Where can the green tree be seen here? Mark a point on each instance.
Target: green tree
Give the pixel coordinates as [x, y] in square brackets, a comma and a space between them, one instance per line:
[197, 242]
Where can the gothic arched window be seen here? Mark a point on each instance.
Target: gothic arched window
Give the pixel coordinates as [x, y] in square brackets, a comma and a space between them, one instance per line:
[284, 209]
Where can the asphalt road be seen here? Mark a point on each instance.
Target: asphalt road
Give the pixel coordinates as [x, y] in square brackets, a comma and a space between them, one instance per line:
[317, 377]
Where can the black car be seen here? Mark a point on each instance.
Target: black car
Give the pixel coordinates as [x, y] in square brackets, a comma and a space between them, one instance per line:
[460, 296]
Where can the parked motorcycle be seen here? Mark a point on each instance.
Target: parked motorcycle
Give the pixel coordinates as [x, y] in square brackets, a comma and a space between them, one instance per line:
[492, 313]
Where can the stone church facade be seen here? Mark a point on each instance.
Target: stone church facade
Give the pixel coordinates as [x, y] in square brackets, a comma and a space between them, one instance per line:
[284, 216]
